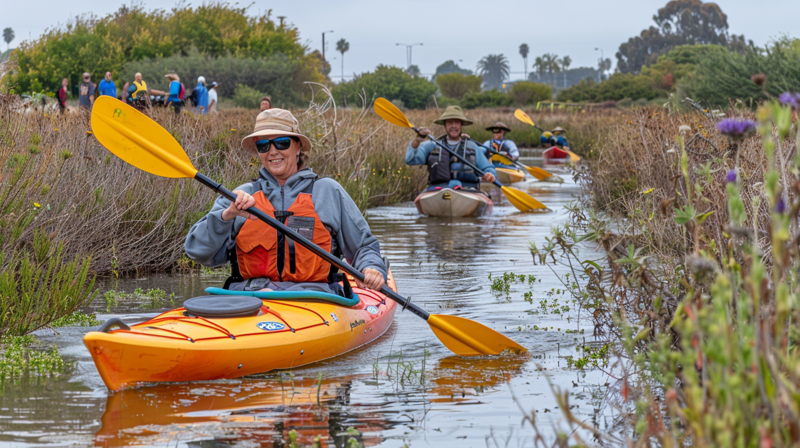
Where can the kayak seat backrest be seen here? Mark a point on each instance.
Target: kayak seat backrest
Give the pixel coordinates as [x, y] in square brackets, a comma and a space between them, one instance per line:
[223, 306]
[300, 296]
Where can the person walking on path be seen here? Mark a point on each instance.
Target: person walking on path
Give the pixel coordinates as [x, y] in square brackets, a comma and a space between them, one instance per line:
[200, 96]
[174, 96]
[107, 86]
[501, 145]
[61, 95]
[444, 170]
[212, 98]
[262, 258]
[86, 97]
[266, 103]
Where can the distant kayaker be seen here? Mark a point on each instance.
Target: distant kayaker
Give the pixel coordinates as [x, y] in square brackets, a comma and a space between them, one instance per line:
[444, 170]
[319, 209]
[546, 140]
[501, 145]
[136, 92]
[174, 95]
[560, 136]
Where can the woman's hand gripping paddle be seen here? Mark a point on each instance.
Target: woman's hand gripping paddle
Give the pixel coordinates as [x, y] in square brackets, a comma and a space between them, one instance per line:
[535, 171]
[518, 199]
[143, 143]
[523, 117]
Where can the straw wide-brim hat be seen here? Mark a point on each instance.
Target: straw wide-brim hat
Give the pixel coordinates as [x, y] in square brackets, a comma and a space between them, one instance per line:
[173, 77]
[275, 123]
[500, 125]
[453, 113]
[559, 129]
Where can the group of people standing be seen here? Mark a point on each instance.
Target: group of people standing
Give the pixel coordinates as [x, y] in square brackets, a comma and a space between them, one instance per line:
[203, 99]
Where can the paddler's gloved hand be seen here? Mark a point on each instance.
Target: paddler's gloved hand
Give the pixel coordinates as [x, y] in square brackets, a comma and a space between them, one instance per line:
[488, 177]
[237, 208]
[372, 279]
[422, 134]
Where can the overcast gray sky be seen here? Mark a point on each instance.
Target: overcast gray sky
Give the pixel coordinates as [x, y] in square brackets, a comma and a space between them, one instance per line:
[466, 30]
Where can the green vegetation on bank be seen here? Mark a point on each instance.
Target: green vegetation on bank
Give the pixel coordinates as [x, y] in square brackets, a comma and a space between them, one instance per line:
[20, 357]
[115, 42]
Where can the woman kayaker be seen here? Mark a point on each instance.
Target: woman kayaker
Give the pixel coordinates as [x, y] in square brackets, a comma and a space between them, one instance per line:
[444, 170]
[319, 209]
[501, 145]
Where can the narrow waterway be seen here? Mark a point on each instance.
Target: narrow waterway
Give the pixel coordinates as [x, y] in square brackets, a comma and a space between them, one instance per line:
[405, 388]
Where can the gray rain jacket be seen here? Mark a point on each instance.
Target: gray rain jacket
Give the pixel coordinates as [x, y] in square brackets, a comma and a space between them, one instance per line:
[210, 238]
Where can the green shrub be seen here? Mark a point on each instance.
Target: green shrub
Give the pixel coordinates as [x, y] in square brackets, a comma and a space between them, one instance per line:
[526, 92]
[489, 98]
[392, 83]
[615, 88]
[456, 85]
[247, 97]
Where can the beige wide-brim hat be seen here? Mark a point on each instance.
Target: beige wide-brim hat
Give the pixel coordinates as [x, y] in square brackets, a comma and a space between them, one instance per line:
[173, 77]
[453, 113]
[275, 123]
[500, 125]
[559, 129]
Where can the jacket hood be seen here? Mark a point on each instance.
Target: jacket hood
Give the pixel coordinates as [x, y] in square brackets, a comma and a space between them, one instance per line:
[298, 181]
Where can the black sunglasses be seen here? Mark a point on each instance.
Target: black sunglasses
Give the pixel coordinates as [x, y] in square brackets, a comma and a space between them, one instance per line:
[497, 130]
[281, 144]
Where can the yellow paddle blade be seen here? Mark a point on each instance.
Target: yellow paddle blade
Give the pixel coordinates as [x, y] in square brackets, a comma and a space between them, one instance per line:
[138, 140]
[468, 338]
[523, 117]
[572, 156]
[522, 201]
[538, 172]
[389, 112]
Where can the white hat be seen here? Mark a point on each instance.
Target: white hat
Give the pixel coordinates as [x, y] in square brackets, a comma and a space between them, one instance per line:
[201, 80]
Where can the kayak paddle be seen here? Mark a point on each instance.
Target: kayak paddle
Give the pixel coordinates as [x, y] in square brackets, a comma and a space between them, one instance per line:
[393, 115]
[143, 143]
[534, 170]
[523, 117]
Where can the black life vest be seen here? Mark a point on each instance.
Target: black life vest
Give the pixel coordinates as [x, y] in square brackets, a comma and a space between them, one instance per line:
[440, 164]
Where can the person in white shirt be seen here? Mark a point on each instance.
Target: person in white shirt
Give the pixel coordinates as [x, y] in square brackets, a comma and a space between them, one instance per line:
[212, 98]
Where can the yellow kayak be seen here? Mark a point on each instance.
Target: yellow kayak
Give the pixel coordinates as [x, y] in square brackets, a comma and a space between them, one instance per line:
[509, 175]
[287, 329]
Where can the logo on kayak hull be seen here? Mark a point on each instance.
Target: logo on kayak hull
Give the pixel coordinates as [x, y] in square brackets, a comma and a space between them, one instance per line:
[271, 326]
[372, 309]
[334, 317]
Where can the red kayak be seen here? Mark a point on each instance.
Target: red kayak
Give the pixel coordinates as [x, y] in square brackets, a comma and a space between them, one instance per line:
[555, 156]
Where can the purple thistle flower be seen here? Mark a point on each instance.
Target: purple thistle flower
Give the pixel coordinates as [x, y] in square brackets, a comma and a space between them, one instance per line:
[736, 129]
[790, 99]
[780, 207]
[731, 177]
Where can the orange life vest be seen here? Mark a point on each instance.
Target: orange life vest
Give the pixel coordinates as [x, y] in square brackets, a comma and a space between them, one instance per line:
[257, 244]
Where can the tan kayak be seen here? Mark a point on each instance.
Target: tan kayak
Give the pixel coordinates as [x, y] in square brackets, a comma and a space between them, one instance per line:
[509, 175]
[448, 203]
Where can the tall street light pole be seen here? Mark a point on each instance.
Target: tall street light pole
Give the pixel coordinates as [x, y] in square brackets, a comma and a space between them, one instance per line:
[602, 62]
[323, 43]
[408, 53]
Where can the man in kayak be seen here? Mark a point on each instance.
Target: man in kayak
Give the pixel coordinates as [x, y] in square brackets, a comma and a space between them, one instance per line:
[444, 170]
[501, 145]
[546, 140]
[318, 209]
[560, 135]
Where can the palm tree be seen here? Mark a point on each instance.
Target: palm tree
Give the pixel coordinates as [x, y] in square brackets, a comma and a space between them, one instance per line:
[494, 69]
[538, 64]
[8, 36]
[342, 47]
[523, 51]
[551, 65]
[566, 61]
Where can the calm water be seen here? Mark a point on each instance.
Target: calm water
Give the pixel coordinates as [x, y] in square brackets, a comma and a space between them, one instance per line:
[404, 388]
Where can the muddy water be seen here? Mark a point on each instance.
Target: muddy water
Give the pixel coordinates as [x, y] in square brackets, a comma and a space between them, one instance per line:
[403, 388]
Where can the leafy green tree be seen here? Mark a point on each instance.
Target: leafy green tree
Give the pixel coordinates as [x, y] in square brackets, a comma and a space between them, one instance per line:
[456, 85]
[680, 22]
[488, 98]
[451, 67]
[494, 69]
[413, 70]
[342, 47]
[617, 87]
[97, 45]
[8, 36]
[523, 51]
[525, 92]
[392, 83]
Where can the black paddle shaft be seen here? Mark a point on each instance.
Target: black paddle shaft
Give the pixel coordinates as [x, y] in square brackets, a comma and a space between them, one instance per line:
[462, 159]
[272, 222]
[498, 154]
